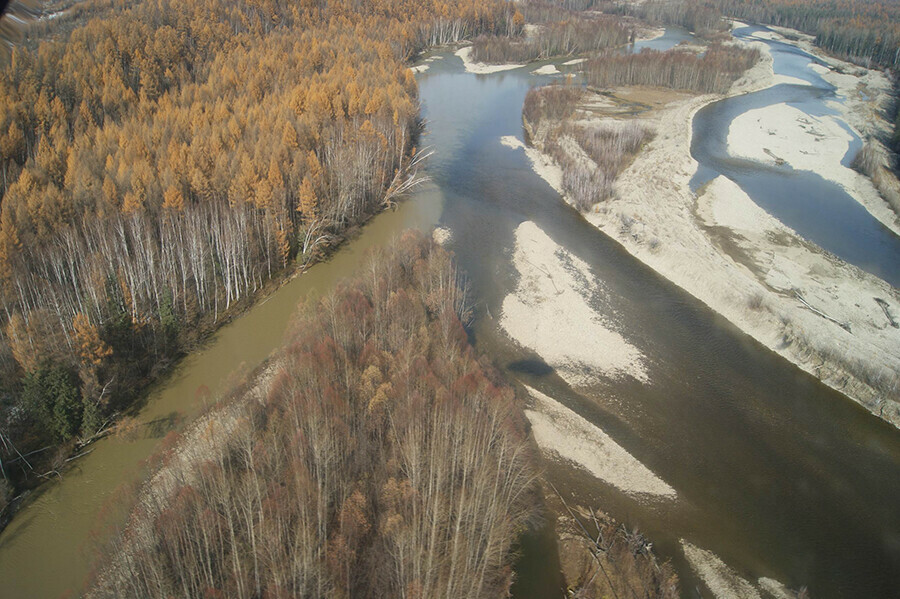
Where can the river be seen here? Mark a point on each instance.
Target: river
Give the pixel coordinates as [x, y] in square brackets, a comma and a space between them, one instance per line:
[776, 473]
[819, 210]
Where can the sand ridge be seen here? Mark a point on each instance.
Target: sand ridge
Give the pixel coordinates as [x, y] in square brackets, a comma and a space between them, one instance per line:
[550, 313]
[722, 248]
[564, 434]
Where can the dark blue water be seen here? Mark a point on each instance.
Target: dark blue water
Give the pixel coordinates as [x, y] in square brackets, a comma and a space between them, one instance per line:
[819, 210]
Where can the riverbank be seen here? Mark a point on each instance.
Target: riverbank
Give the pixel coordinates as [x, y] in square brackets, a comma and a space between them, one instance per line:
[69, 456]
[722, 248]
[481, 68]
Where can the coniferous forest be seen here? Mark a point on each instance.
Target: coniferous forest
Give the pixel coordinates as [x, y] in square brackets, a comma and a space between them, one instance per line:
[162, 161]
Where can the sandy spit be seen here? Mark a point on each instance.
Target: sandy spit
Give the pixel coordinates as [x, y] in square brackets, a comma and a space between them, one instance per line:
[511, 141]
[547, 69]
[480, 68]
[744, 264]
[550, 313]
[725, 583]
[816, 144]
[651, 34]
[565, 435]
[722, 581]
[775, 589]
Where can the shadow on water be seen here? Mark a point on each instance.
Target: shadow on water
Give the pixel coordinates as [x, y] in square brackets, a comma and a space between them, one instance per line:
[533, 367]
[162, 426]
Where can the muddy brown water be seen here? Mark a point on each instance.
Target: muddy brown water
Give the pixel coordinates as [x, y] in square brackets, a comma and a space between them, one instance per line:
[775, 473]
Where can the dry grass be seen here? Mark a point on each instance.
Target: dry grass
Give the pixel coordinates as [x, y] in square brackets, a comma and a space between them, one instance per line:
[601, 559]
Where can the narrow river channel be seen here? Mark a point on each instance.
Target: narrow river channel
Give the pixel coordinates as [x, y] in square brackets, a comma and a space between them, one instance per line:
[775, 473]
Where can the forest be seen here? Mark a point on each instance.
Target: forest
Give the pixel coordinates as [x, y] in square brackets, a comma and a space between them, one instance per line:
[376, 456]
[163, 161]
[703, 18]
[862, 31]
[576, 34]
[712, 72]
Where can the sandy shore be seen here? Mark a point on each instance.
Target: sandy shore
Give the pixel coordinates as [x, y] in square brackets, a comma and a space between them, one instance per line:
[547, 69]
[480, 68]
[725, 583]
[726, 251]
[650, 34]
[563, 434]
[818, 144]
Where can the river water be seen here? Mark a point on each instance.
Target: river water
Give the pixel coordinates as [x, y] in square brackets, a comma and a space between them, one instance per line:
[775, 473]
[819, 210]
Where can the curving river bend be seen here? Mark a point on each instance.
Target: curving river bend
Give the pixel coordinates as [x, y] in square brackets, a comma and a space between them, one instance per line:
[775, 473]
[819, 210]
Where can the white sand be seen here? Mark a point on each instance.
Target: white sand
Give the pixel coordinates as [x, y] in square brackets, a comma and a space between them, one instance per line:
[550, 313]
[567, 436]
[547, 69]
[442, 235]
[480, 68]
[722, 581]
[511, 141]
[775, 589]
[803, 141]
[651, 34]
[726, 251]
[546, 168]
[778, 79]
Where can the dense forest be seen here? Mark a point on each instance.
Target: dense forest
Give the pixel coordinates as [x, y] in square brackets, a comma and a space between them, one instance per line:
[863, 31]
[712, 72]
[701, 17]
[162, 160]
[575, 34]
[377, 456]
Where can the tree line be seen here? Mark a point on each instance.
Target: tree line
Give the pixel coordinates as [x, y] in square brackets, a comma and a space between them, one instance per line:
[162, 160]
[713, 72]
[699, 16]
[576, 35]
[863, 31]
[378, 456]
